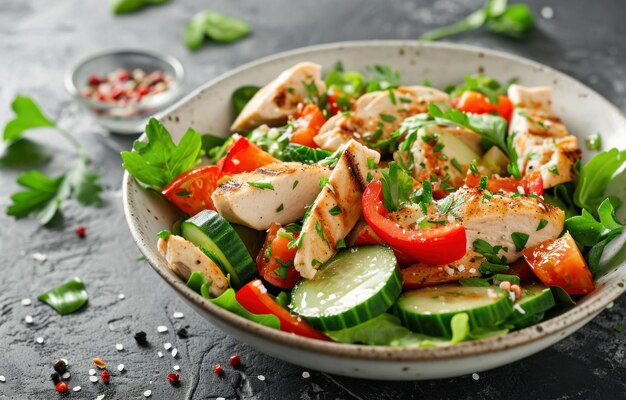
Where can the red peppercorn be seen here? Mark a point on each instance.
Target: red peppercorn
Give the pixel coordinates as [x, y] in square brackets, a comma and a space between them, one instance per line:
[94, 80]
[142, 90]
[106, 377]
[174, 379]
[218, 369]
[81, 231]
[123, 75]
[117, 92]
[61, 387]
[235, 360]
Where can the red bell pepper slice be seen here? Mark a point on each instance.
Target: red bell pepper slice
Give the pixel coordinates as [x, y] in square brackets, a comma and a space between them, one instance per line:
[531, 183]
[254, 298]
[244, 156]
[439, 245]
[477, 103]
[191, 191]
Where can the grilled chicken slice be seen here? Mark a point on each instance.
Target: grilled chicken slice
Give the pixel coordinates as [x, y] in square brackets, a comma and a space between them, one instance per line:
[444, 152]
[183, 258]
[374, 116]
[541, 140]
[336, 209]
[277, 192]
[279, 99]
[421, 275]
[494, 219]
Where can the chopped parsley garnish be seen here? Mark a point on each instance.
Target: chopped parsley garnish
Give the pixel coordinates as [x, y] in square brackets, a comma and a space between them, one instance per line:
[554, 170]
[371, 163]
[315, 262]
[444, 208]
[474, 167]
[341, 244]
[285, 234]
[387, 117]
[323, 182]
[534, 156]
[320, 232]
[183, 193]
[336, 210]
[456, 165]
[280, 208]
[593, 142]
[280, 271]
[520, 239]
[164, 234]
[262, 185]
[542, 224]
[268, 252]
[489, 252]
[397, 184]
[483, 182]
[369, 176]
[392, 96]
[295, 183]
[296, 242]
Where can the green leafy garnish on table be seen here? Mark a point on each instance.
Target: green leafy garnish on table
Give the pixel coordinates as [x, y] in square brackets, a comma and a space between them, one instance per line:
[43, 195]
[514, 20]
[157, 162]
[66, 298]
[130, 6]
[215, 26]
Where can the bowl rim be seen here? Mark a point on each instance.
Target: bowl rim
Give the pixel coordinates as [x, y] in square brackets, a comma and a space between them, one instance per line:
[155, 101]
[612, 290]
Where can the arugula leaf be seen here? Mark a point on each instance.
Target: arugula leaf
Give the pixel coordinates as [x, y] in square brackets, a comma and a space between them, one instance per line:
[217, 26]
[397, 184]
[157, 162]
[561, 196]
[242, 96]
[491, 128]
[28, 115]
[595, 177]
[130, 6]
[303, 154]
[43, 198]
[66, 298]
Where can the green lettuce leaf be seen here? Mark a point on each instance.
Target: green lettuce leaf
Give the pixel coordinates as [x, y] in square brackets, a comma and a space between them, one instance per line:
[66, 298]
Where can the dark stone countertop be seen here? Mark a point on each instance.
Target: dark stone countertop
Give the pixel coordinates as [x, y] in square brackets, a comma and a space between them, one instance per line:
[40, 39]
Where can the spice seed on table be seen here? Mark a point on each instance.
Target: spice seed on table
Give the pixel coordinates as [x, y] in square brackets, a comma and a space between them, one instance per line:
[161, 328]
[92, 371]
[178, 315]
[217, 368]
[28, 319]
[147, 393]
[26, 302]
[235, 360]
[167, 346]
[119, 347]
[94, 379]
[2, 378]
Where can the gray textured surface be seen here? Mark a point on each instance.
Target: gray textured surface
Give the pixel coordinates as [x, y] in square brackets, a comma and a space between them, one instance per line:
[40, 39]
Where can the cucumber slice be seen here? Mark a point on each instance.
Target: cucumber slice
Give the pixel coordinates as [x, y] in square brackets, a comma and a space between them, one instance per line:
[356, 285]
[429, 310]
[219, 240]
[528, 321]
[537, 299]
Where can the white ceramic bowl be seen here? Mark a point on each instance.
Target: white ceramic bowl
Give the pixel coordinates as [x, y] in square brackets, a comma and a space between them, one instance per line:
[208, 109]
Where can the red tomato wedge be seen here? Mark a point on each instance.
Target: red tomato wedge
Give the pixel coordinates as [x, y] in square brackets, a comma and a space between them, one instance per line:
[522, 270]
[333, 106]
[191, 191]
[478, 103]
[254, 298]
[308, 123]
[244, 156]
[558, 262]
[273, 258]
[531, 183]
[439, 245]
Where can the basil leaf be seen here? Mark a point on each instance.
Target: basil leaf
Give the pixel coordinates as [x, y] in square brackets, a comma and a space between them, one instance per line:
[28, 115]
[210, 142]
[130, 6]
[520, 239]
[242, 96]
[595, 177]
[515, 22]
[217, 26]
[157, 162]
[66, 298]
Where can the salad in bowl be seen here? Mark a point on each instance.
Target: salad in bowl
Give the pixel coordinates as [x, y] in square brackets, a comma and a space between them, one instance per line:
[347, 207]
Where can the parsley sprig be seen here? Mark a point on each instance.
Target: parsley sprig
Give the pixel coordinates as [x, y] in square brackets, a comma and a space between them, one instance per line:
[43, 196]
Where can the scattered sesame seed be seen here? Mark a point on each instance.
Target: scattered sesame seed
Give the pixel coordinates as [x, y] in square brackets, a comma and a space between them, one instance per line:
[40, 257]
[2, 378]
[100, 397]
[220, 398]
[448, 270]
[120, 367]
[26, 302]
[461, 268]
[475, 376]
[547, 12]
[162, 328]
[121, 296]
[306, 375]
[261, 377]
[178, 315]
[28, 319]
[39, 340]
[167, 346]
[174, 352]
[176, 367]
[92, 371]
[159, 354]
[472, 270]
[77, 388]
[66, 375]
[147, 393]
[119, 347]
[94, 379]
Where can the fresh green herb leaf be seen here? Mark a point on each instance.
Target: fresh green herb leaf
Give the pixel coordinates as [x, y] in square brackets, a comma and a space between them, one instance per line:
[486, 85]
[515, 22]
[593, 142]
[618, 328]
[283, 299]
[336, 210]
[474, 167]
[595, 177]
[489, 252]
[130, 6]
[242, 96]
[23, 153]
[554, 170]
[320, 232]
[228, 301]
[281, 271]
[280, 208]
[66, 298]
[323, 182]
[456, 165]
[397, 185]
[491, 268]
[164, 234]
[497, 278]
[387, 117]
[348, 82]
[383, 78]
[474, 282]
[295, 183]
[561, 296]
[303, 154]
[444, 208]
[542, 224]
[296, 242]
[157, 162]
[483, 183]
[371, 163]
[520, 239]
[28, 115]
[261, 185]
[217, 26]
[341, 244]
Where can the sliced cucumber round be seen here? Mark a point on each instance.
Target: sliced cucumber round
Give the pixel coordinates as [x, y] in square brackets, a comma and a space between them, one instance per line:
[429, 310]
[524, 321]
[356, 285]
[219, 240]
[537, 299]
